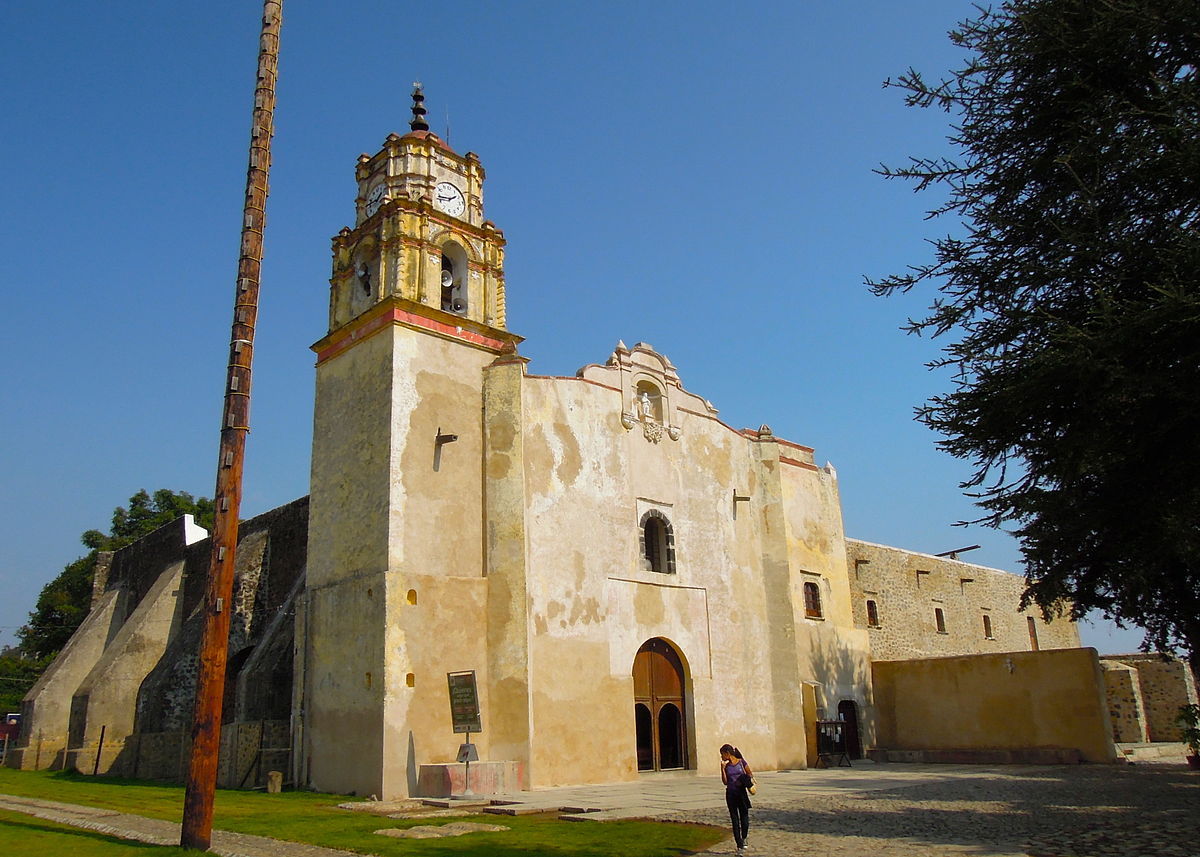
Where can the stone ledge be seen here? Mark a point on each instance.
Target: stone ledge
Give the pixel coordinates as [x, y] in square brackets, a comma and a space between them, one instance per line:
[449, 778]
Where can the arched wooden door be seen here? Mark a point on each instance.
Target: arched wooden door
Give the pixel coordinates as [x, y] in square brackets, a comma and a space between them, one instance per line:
[658, 707]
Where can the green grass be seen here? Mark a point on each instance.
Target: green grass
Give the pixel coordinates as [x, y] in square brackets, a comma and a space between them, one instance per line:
[315, 819]
[33, 837]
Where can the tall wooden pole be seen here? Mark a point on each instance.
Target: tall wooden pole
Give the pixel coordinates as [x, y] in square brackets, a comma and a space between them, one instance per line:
[235, 424]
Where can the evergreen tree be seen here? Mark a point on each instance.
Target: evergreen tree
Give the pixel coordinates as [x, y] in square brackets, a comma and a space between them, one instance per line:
[1069, 290]
[65, 601]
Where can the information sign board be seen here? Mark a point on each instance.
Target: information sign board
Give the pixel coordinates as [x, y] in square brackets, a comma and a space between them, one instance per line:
[464, 702]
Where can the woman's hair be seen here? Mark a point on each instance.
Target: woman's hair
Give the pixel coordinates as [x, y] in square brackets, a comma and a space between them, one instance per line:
[731, 750]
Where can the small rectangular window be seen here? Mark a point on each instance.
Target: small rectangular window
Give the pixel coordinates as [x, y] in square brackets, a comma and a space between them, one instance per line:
[940, 618]
[872, 614]
[987, 627]
[1033, 640]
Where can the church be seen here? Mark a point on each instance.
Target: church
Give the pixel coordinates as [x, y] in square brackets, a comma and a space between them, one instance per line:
[621, 581]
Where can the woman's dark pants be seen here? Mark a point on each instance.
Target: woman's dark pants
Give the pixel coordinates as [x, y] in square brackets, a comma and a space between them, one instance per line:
[739, 814]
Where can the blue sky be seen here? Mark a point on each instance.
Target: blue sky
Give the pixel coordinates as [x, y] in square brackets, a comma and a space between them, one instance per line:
[694, 175]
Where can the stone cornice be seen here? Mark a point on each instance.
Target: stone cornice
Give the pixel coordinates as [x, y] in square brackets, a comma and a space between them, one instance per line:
[415, 316]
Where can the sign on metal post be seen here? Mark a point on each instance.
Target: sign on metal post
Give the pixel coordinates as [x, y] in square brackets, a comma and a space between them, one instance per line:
[464, 715]
[464, 702]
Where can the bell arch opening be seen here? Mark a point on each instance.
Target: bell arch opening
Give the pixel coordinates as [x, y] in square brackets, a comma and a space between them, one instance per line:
[454, 279]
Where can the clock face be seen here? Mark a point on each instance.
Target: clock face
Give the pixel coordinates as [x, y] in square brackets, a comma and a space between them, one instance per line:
[448, 198]
[374, 199]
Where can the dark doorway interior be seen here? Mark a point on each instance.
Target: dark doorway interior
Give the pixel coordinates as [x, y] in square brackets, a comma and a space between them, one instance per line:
[645, 736]
[848, 714]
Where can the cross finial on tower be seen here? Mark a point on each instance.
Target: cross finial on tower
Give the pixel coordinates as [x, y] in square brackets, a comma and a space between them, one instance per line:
[418, 122]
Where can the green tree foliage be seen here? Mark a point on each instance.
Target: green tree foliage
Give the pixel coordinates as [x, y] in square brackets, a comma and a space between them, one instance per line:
[1068, 285]
[17, 675]
[64, 602]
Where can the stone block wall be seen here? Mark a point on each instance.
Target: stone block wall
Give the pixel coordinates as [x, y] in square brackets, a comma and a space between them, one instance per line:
[248, 751]
[1125, 708]
[130, 670]
[1165, 684]
[270, 562]
[909, 589]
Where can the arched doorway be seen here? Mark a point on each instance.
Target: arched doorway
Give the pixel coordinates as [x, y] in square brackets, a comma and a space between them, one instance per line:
[851, 743]
[658, 707]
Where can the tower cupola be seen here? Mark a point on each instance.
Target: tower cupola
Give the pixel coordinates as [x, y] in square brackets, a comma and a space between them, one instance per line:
[420, 241]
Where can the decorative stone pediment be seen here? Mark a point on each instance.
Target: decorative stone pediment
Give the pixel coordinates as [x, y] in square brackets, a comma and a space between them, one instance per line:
[652, 396]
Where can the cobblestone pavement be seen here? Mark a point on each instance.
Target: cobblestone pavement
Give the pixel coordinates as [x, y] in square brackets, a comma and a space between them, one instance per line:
[895, 810]
[1084, 811]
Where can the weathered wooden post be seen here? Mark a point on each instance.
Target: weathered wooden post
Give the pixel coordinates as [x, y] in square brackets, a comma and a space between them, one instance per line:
[235, 424]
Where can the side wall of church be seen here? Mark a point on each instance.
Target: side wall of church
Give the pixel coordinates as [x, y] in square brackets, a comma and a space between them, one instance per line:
[909, 589]
[128, 674]
[834, 655]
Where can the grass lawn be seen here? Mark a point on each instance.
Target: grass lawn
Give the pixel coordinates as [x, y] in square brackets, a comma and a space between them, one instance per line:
[315, 819]
[32, 837]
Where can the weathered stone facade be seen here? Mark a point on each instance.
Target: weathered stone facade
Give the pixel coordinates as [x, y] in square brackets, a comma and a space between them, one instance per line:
[978, 606]
[1160, 685]
[125, 683]
[627, 576]
[1126, 711]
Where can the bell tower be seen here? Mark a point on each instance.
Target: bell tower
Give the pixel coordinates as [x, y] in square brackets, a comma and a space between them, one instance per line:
[396, 514]
[420, 237]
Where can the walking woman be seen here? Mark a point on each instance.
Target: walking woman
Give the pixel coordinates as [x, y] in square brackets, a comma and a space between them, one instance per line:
[737, 776]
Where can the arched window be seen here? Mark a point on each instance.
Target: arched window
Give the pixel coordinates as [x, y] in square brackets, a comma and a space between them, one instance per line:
[872, 614]
[812, 601]
[940, 618]
[657, 541]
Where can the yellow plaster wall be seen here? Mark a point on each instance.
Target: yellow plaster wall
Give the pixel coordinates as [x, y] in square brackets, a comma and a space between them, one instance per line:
[832, 655]
[1013, 700]
[505, 551]
[344, 685]
[350, 483]
[445, 631]
[592, 604]
[388, 518]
